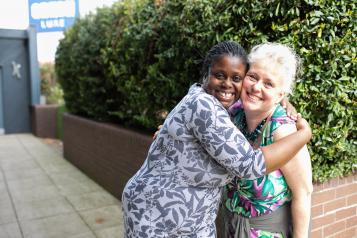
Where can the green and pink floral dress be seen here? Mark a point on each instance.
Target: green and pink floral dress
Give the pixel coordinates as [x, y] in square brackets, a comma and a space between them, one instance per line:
[252, 198]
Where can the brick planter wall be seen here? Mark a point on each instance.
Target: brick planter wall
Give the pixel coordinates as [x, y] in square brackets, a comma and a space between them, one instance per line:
[334, 208]
[44, 120]
[110, 155]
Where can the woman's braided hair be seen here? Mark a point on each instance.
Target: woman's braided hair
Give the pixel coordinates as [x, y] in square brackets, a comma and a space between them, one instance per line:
[225, 48]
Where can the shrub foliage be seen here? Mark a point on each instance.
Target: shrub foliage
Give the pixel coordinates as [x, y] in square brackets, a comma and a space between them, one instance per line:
[135, 60]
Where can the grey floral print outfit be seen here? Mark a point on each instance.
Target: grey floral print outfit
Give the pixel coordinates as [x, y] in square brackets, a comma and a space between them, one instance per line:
[177, 191]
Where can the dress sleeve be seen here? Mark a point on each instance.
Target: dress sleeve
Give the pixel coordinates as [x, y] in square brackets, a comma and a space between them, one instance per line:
[211, 125]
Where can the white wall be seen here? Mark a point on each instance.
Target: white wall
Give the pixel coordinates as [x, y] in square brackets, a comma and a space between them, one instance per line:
[14, 15]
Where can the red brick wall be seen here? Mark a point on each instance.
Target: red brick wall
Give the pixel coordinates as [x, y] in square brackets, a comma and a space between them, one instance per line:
[334, 208]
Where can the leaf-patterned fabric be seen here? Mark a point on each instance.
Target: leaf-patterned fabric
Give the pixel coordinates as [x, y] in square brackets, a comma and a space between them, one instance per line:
[256, 197]
[177, 191]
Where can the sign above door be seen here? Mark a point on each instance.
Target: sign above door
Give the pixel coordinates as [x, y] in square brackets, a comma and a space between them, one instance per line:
[52, 15]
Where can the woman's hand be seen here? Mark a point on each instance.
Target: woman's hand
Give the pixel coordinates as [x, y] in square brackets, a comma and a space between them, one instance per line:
[303, 125]
[289, 108]
[157, 132]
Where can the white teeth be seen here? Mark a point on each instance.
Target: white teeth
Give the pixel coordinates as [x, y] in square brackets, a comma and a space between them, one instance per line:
[226, 95]
[253, 97]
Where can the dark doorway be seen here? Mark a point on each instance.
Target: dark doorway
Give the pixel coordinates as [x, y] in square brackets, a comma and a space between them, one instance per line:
[15, 81]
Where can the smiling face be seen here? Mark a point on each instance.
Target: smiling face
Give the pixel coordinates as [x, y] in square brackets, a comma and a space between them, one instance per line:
[225, 79]
[262, 89]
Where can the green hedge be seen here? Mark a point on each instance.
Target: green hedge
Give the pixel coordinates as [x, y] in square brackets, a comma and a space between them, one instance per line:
[129, 63]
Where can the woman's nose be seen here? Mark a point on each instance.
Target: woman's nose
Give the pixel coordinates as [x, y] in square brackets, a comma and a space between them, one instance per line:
[256, 86]
[227, 82]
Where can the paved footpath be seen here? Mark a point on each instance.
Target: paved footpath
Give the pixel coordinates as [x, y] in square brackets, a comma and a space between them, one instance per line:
[42, 195]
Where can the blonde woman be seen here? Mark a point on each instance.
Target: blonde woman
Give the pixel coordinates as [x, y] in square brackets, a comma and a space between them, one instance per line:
[277, 204]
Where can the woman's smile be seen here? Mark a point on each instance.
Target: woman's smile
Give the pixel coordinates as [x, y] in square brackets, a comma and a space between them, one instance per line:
[254, 98]
[226, 95]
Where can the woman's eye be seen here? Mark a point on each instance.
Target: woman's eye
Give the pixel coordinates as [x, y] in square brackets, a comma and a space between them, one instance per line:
[269, 85]
[251, 78]
[236, 79]
[220, 76]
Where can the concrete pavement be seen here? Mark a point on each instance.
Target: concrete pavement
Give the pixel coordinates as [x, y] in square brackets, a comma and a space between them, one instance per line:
[42, 195]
